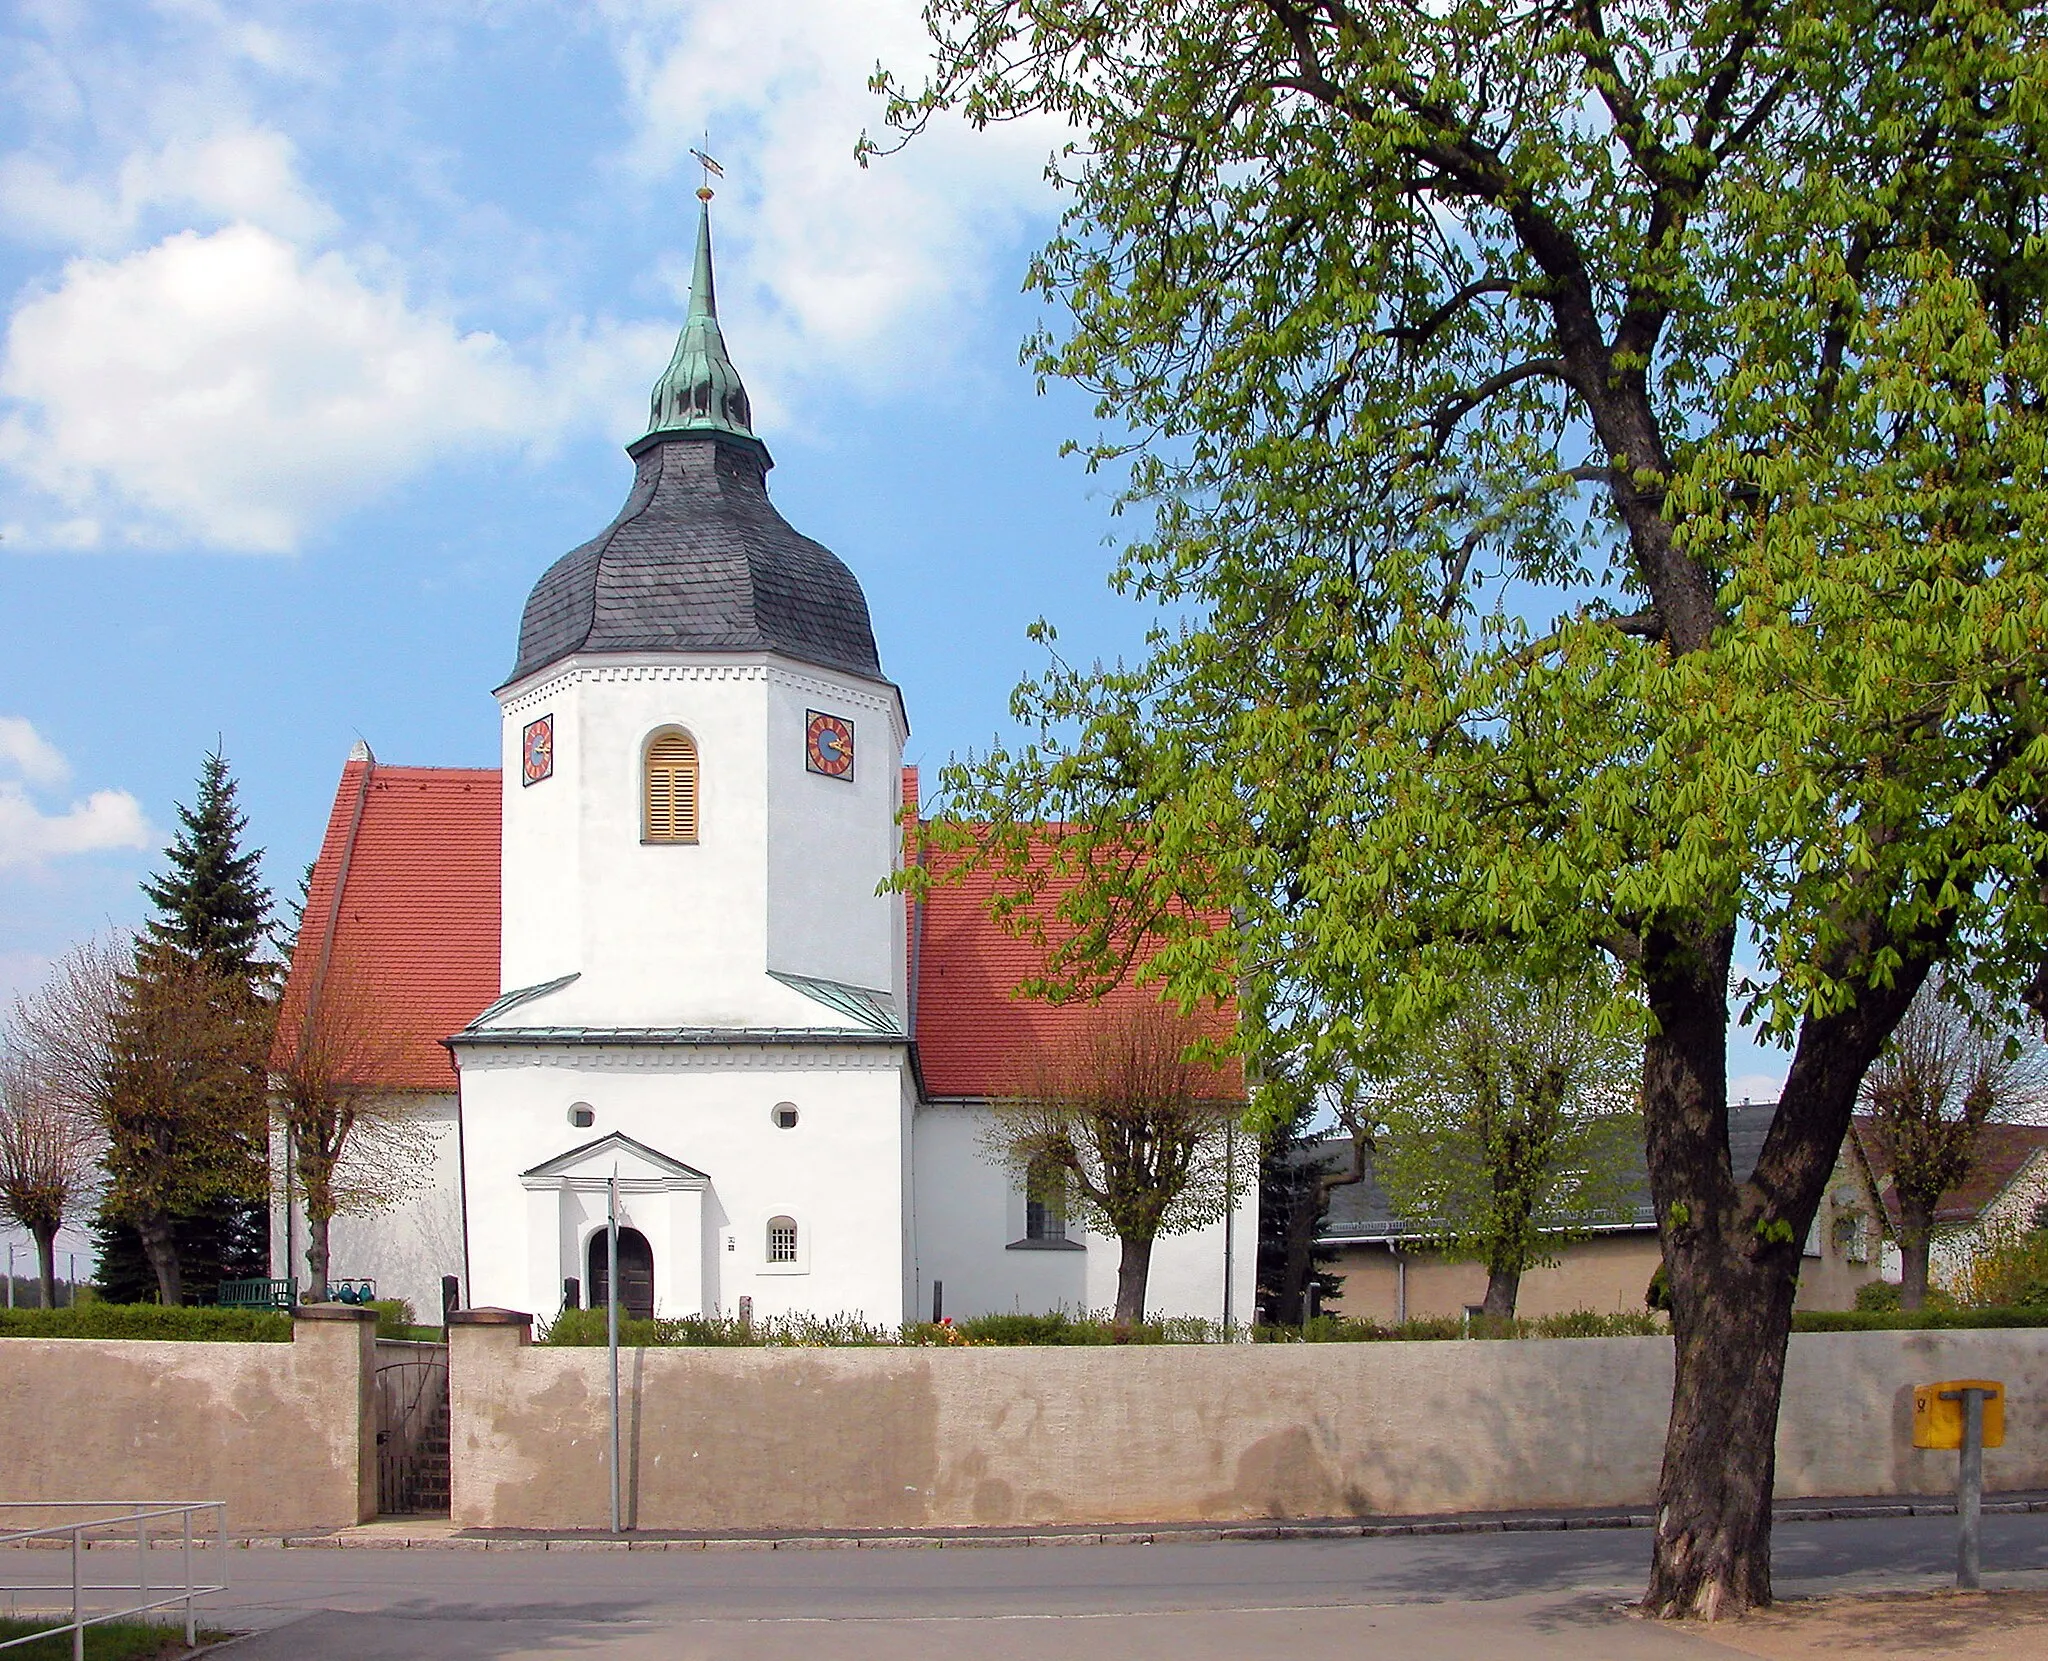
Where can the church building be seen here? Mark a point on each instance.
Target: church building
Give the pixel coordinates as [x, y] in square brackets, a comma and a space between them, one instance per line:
[656, 945]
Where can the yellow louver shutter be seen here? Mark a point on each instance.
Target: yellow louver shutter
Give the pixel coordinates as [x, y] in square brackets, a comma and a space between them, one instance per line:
[671, 805]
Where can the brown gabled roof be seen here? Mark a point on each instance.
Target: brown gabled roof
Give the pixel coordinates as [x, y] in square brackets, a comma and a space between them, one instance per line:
[2003, 1151]
[404, 902]
[974, 1028]
[413, 854]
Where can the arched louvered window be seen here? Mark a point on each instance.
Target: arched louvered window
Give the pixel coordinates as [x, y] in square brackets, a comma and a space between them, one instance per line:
[669, 798]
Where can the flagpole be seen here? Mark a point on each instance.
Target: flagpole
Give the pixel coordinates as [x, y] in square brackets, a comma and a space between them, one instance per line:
[611, 1302]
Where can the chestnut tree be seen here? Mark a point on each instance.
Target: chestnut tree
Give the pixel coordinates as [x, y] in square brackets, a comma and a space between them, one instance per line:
[1589, 455]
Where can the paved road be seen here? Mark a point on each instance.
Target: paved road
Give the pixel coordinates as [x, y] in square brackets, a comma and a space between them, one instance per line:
[1530, 1597]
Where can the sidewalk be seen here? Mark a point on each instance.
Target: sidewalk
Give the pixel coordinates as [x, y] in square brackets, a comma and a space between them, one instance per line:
[428, 1533]
[1958, 1626]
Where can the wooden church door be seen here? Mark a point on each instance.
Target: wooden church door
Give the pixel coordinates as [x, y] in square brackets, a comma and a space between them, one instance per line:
[636, 1274]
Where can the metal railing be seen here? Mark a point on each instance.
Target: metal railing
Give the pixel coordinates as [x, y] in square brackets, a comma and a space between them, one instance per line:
[112, 1523]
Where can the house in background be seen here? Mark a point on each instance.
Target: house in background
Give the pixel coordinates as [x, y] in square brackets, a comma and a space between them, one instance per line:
[1389, 1272]
[2006, 1190]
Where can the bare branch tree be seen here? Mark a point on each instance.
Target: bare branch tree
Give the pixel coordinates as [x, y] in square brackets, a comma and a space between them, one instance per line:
[49, 1142]
[56, 1064]
[353, 1145]
[1939, 1081]
[1133, 1127]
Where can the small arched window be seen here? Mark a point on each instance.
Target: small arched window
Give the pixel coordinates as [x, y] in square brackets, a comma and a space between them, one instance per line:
[669, 795]
[781, 1239]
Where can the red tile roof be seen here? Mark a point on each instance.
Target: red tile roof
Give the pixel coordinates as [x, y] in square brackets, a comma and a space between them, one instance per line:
[974, 1031]
[2003, 1151]
[415, 851]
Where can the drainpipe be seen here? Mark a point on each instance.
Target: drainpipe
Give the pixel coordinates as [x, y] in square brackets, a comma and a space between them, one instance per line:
[1400, 1284]
[1229, 1216]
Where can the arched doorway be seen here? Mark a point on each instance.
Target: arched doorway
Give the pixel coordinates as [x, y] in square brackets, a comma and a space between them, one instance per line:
[636, 1274]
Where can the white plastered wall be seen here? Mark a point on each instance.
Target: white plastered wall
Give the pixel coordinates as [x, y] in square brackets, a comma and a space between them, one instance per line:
[832, 841]
[406, 1248]
[783, 876]
[970, 1214]
[838, 1173]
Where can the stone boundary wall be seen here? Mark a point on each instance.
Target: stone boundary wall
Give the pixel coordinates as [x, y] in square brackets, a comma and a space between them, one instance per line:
[881, 1438]
[285, 1433]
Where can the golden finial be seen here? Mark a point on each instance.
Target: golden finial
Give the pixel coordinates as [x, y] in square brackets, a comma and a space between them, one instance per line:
[711, 170]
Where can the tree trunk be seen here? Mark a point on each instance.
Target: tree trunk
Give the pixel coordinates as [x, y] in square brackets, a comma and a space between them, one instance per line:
[1502, 1288]
[1303, 1202]
[1730, 1316]
[1712, 1552]
[316, 1258]
[1731, 1255]
[1915, 1237]
[1134, 1267]
[46, 1264]
[160, 1246]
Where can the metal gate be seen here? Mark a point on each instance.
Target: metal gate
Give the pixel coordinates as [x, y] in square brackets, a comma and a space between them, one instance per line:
[412, 1432]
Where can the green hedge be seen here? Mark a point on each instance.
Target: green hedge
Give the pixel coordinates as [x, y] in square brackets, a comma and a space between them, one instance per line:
[1575, 1323]
[1926, 1320]
[587, 1326]
[149, 1320]
[1058, 1328]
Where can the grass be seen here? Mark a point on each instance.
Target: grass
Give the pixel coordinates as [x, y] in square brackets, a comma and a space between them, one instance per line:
[110, 1641]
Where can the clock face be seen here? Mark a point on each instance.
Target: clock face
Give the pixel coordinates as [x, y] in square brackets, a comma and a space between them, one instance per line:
[828, 745]
[537, 749]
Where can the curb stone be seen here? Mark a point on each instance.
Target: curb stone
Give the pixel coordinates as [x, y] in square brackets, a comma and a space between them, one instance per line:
[1197, 1534]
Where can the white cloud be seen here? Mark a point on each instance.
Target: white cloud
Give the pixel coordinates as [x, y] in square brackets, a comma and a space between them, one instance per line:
[30, 754]
[834, 263]
[225, 362]
[230, 389]
[104, 820]
[248, 175]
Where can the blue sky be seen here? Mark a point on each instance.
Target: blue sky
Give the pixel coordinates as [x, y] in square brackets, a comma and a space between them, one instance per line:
[326, 324]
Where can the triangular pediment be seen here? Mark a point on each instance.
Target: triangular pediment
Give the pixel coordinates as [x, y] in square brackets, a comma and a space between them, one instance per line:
[616, 1154]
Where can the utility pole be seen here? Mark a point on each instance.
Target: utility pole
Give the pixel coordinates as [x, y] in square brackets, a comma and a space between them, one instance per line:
[611, 1324]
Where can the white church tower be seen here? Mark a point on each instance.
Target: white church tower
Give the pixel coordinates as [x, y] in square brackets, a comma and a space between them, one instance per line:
[705, 991]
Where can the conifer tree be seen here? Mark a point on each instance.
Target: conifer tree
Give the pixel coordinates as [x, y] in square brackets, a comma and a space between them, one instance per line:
[211, 903]
[213, 909]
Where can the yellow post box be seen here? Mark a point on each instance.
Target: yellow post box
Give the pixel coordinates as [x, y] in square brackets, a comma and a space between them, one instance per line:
[1938, 1413]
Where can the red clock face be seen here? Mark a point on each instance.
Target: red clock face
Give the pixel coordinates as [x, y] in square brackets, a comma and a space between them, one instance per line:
[828, 745]
[537, 749]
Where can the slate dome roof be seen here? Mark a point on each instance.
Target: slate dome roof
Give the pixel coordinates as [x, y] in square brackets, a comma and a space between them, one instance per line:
[698, 560]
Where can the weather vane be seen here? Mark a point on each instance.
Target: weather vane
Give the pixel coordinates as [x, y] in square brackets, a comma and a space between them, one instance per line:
[711, 170]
